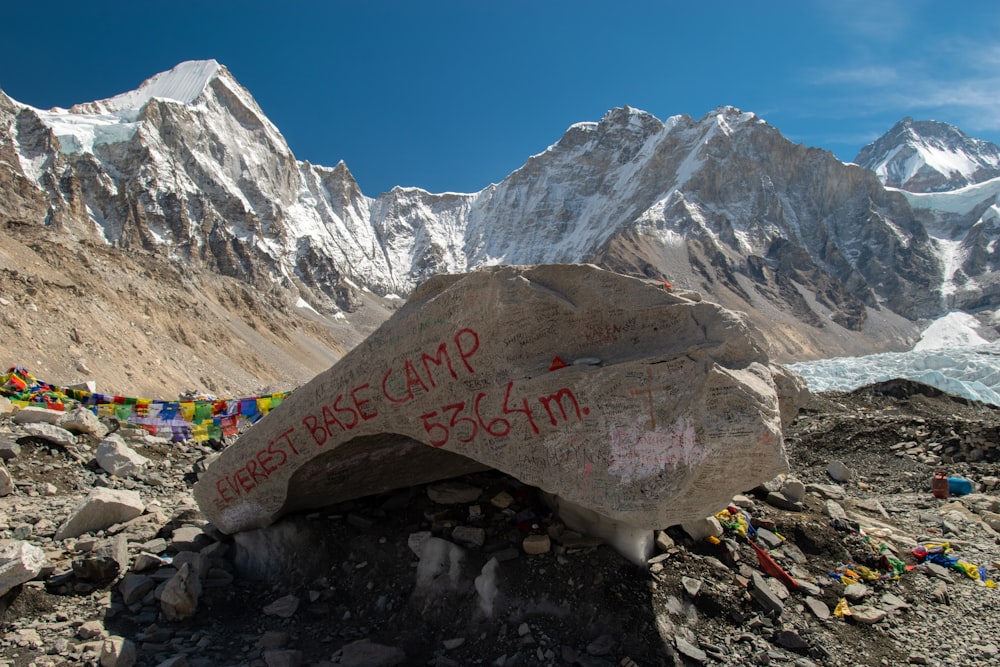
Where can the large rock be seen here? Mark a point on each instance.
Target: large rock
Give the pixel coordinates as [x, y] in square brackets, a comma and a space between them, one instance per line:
[118, 459]
[101, 509]
[19, 562]
[104, 562]
[641, 405]
[49, 432]
[37, 415]
[81, 420]
[179, 599]
[6, 481]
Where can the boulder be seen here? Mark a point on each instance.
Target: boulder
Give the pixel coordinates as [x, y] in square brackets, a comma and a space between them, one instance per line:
[48, 432]
[19, 562]
[82, 421]
[179, 599]
[37, 415]
[118, 652]
[104, 562]
[644, 406]
[118, 459]
[366, 653]
[6, 481]
[101, 509]
[8, 449]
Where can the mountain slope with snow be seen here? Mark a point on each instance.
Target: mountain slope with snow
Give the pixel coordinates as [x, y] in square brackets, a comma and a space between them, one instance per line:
[822, 255]
[930, 156]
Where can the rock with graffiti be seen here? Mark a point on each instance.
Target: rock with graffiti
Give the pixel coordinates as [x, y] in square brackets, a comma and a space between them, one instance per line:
[647, 406]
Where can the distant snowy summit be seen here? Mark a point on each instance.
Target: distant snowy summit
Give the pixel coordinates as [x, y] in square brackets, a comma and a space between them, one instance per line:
[930, 156]
[185, 83]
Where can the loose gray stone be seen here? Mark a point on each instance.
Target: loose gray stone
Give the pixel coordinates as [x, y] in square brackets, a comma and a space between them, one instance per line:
[90, 630]
[818, 608]
[793, 489]
[691, 585]
[827, 491]
[892, 602]
[104, 562]
[453, 493]
[134, 587]
[118, 652]
[771, 540]
[764, 595]
[938, 571]
[791, 640]
[189, 538]
[807, 587]
[19, 562]
[9, 449]
[179, 599]
[283, 607]
[283, 658]
[118, 459]
[603, 645]
[32, 415]
[273, 639]
[6, 481]
[701, 529]
[469, 535]
[689, 650]
[868, 615]
[781, 501]
[834, 510]
[49, 433]
[839, 472]
[365, 653]
[101, 509]
[856, 592]
[82, 421]
[535, 545]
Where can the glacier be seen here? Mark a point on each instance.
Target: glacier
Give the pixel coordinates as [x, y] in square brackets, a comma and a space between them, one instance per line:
[951, 355]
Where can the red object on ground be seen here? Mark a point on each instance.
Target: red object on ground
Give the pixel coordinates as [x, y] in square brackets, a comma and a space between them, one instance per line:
[772, 569]
[939, 484]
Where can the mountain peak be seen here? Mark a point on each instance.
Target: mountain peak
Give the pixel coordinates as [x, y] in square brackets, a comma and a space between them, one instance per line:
[184, 83]
[929, 156]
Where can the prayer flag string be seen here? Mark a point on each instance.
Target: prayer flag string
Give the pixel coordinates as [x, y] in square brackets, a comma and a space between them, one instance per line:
[202, 418]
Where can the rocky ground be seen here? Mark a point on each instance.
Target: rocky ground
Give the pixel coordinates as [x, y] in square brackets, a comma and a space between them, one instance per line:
[499, 580]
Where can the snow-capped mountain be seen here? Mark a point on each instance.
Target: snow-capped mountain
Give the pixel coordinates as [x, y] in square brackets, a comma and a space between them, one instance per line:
[824, 257]
[930, 156]
[952, 181]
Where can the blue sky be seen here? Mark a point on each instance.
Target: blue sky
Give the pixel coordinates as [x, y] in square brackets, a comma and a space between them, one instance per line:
[454, 95]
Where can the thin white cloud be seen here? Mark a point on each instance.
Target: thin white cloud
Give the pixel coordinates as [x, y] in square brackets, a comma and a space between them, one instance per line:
[868, 75]
[872, 19]
[960, 81]
[897, 61]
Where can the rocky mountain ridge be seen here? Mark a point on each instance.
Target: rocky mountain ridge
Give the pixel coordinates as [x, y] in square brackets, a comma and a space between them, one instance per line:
[188, 173]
